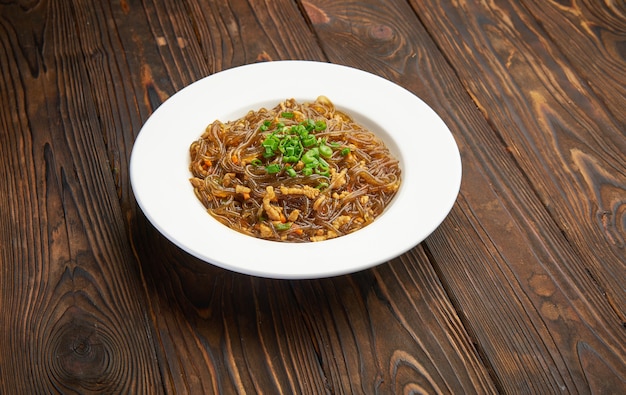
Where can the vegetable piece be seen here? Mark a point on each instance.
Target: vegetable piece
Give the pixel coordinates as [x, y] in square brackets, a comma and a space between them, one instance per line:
[325, 151]
[297, 143]
[311, 155]
[265, 126]
[282, 226]
[322, 172]
[270, 144]
[273, 168]
[309, 141]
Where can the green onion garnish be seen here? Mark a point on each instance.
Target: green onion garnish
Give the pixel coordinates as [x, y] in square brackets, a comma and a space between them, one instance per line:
[273, 168]
[291, 144]
[280, 226]
[325, 151]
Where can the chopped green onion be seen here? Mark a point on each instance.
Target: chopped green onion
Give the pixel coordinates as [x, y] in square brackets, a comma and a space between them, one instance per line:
[256, 162]
[271, 141]
[273, 168]
[320, 125]
[311, 155]
[309, 141]
[280, 226]
[297, 143]
[322, 172]
[299, 130]
[291, 147]
[325, 151]
[290, 159]
[265, 126]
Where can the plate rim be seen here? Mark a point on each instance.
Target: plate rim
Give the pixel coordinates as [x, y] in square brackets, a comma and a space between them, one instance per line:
[345, 248]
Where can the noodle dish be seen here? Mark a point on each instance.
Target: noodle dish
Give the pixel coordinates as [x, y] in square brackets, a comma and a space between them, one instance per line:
[293, 170]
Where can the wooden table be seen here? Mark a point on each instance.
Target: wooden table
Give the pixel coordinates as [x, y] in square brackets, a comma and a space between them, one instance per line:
[521, 290]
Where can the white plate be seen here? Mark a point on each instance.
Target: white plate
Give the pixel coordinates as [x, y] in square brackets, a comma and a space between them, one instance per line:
[429, 160]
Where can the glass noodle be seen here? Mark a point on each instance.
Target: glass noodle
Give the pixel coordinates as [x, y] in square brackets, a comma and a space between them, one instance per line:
[296, 173]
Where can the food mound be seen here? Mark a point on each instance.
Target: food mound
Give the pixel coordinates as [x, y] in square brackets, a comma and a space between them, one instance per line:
[296, 173]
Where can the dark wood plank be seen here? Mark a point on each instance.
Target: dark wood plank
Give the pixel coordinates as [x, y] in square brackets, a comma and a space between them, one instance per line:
[565, 138]
[556, 317]
[571, 148]
[592, 36]
[389, 329]
[560, 131]
[204, 346]
[69, 298]
[87, 310]
[217, 329]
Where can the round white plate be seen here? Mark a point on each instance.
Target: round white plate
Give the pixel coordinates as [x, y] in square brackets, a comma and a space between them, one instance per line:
[429, 160]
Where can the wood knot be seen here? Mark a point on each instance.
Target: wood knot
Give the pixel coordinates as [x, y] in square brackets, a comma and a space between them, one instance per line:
[381, 32]
[82, 356]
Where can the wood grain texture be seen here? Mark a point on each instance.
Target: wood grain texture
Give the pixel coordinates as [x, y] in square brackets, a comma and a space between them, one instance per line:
[547, 300]
[570, 147]
[519, 290]
[576, 284]
[595, 45]
[364, 333]
[69, 305]
[568, 143]
[238, 325]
